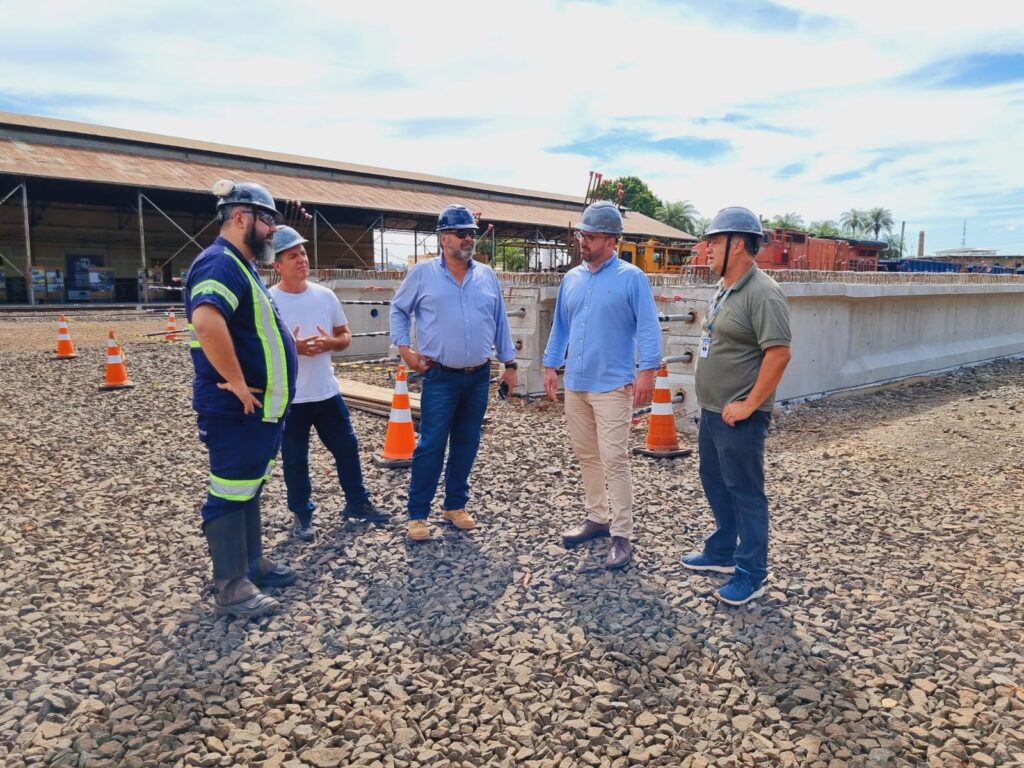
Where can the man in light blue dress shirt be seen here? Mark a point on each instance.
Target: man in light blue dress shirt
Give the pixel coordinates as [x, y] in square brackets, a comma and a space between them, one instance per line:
[460, 316]
[605, 318]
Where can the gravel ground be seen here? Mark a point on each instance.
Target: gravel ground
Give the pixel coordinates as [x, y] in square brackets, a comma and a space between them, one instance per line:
[892, 632]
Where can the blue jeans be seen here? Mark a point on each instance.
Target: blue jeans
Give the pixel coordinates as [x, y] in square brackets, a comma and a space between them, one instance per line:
[732, 473]
[452, 407]
[242, 450]
[333, 424]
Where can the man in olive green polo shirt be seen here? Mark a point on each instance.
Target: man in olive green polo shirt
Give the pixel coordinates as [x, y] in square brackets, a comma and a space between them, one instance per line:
[744, 350]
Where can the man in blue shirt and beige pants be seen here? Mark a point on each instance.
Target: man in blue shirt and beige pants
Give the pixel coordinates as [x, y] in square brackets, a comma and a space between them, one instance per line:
[460, 316]
[604, 316]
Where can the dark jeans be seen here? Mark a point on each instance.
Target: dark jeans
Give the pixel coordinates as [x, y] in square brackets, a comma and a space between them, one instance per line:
[333, 424]
[452, 407]
[732, 473]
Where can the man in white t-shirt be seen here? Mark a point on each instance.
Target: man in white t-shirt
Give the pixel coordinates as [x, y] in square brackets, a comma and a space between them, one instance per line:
[316, 319]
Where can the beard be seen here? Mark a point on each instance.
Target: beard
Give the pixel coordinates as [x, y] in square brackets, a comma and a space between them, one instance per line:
[262, 248]
[464, 252]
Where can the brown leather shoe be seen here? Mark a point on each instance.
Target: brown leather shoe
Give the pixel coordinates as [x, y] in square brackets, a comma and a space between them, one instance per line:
[619, 554]
[581, 533]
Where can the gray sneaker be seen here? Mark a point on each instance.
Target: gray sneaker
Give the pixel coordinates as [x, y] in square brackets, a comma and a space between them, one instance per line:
[304, 531]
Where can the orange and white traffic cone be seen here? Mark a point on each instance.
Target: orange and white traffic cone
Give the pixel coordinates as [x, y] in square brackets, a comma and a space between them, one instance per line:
[65, 349]
[662, 439]
[400, 440]
[171, 328]
[117, 374]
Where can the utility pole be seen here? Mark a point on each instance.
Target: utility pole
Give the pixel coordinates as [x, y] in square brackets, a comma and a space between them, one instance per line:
[903, 230]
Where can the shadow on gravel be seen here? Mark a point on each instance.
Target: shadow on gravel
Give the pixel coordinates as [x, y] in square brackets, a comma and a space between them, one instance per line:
[445, 584]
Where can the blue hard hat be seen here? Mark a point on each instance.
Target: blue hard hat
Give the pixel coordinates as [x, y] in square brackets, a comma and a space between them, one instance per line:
[735, 219]
[602, 216]
[285, 238]
[245, 193]
[456, 217]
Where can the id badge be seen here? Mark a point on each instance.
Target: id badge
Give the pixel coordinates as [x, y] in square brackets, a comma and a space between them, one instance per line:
[705, 345]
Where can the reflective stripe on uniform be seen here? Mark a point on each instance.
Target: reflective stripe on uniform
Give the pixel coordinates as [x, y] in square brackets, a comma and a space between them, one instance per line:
[275, 397]
[193, 340]
[234, 490]
[215, 287]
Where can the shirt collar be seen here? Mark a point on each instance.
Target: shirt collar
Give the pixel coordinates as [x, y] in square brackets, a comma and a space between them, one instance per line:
[444, 264]
[744, 278]
[603, 267]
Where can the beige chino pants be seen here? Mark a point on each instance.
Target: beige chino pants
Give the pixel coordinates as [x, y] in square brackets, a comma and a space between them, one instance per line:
[599, 425]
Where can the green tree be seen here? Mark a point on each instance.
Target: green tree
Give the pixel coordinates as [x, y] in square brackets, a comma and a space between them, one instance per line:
[681, 215]
[787, 221]
[700, 226]
[637, 196]
[853, 221]
[893, 246]
[878, 219]
[824, 228]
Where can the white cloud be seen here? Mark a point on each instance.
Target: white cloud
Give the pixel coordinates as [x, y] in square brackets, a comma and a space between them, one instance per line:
[831, 97]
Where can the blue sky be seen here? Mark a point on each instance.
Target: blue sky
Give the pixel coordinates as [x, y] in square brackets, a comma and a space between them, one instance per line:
[795, 105]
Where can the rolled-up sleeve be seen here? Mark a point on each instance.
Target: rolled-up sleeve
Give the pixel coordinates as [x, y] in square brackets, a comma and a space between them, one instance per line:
[648, 329]
[403, 305]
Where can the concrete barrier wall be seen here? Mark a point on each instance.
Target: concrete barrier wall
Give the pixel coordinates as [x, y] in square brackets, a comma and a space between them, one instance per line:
[870, 329]
[848, 336]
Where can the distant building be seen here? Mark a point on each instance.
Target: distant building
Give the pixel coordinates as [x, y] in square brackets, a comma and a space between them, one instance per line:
[970, 254]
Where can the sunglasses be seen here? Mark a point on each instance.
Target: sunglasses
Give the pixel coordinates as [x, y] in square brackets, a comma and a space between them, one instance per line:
[267, 218]
[588, 237]
[462, 234]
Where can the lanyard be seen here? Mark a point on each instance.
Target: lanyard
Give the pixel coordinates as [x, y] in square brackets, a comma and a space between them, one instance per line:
[716, 304]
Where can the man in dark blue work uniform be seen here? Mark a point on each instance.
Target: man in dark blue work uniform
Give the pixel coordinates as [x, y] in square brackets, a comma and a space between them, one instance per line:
[245, 365]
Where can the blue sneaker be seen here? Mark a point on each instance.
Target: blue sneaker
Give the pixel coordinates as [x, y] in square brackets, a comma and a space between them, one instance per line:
[740, 590]
[701, 562]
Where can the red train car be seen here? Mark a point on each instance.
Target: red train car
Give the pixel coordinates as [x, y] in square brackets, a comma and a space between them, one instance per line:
[792, 249]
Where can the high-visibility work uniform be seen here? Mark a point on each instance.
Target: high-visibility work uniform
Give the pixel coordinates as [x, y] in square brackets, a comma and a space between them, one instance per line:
[242, 447]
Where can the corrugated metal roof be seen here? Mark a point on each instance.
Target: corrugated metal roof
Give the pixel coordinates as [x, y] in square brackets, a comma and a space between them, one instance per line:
[72, 128]
[148, 171]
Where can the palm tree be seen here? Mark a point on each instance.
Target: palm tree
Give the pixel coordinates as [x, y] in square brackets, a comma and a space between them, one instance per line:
[825, 228]
[700, 226]
[787, 221]
[853, 221]
[879, 219]
[681, 215]
[893, 248]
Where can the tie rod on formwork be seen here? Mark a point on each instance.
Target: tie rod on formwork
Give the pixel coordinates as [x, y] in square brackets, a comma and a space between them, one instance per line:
[686, 357]
[686, 317]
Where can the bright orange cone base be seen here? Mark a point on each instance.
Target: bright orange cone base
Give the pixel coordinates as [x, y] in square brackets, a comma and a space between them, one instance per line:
[400, 440]
[65, 349]
[662, 438]
[117, 374]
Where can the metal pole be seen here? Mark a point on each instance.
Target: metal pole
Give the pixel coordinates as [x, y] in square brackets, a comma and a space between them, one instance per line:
[142, 253]
[316, 260]
[382, 243]
[28, 245]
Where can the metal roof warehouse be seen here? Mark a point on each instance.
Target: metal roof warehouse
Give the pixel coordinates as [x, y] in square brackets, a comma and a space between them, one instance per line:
[94, 206]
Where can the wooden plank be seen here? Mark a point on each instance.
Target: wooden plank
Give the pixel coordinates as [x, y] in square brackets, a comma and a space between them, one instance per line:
[374, 399]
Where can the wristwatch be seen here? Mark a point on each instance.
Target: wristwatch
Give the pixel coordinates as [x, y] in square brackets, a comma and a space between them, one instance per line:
[511, 365]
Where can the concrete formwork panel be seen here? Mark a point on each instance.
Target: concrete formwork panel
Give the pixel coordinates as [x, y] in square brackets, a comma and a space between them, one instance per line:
[849, 336]
[845, 335]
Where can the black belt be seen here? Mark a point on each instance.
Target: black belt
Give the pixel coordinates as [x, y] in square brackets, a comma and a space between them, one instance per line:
[464, 371]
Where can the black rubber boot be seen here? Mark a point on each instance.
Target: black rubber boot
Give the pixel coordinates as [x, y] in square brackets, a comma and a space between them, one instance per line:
[236, 595]
[263, 572]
